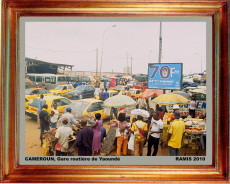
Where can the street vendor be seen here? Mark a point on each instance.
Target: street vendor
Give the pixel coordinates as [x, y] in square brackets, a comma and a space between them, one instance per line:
[70, 117]
[171, 116]
[139, 129]
[62, 135]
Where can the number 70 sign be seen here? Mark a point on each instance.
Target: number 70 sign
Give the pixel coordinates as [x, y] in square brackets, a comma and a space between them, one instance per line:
[165, 75]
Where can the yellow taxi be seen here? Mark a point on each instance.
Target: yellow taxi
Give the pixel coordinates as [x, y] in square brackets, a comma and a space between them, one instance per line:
[26, 102]
[32, 93]
[111, 93]
[88, 108]
[135, 93]
[62, 103]
[62, 89]
[122, 89]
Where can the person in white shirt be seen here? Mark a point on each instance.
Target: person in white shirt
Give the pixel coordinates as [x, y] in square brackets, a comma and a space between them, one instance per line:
[155, 129]
[54, 116]
[192, 107]
[61, 138]
[71, 119]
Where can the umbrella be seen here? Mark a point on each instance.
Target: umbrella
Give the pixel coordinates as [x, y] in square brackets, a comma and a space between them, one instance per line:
[150, 92]
[170, 99]
[27, 80]
[141, 112]
[120, 101]
[186, 95]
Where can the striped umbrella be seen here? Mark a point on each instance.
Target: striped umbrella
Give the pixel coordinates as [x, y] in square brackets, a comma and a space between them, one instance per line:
[27, 80]
[170, 99]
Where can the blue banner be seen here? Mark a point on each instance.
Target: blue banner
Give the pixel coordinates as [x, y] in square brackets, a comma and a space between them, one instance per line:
[165, 75]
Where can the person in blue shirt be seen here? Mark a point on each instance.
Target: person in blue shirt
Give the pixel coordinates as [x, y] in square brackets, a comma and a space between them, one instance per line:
[106, 94]
[41, 102]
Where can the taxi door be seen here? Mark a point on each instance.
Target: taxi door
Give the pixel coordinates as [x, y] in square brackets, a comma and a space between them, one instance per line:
[62, 103]
[69, 88]
[97, 107]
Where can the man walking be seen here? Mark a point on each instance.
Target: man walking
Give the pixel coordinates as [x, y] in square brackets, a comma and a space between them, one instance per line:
[101, 95]
[155, 129]
[139, 129]
[61, 138]
[41, 102]
[70, 117]
[106, 94]
[175, 135]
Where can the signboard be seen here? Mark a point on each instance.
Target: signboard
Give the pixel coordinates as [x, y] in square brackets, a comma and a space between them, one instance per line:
[165, 75]
[184, 109]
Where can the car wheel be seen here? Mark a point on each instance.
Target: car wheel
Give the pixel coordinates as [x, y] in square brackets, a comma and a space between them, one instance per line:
[80, 96]
[58, 94]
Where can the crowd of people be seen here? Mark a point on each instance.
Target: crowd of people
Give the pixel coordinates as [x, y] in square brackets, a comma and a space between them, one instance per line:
[127, 134]
[132, 135]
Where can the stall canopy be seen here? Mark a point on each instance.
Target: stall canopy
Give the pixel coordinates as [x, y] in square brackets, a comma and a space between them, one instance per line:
[170, 99]
[150, 92]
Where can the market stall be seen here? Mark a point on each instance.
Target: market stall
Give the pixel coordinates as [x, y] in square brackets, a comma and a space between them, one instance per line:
[195, 136]
[168, 99]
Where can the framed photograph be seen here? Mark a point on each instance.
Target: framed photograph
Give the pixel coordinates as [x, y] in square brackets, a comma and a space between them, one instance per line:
[71, 68]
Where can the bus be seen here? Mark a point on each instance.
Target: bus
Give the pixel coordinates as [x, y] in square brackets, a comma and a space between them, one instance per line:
[50, 80]
[82, 81]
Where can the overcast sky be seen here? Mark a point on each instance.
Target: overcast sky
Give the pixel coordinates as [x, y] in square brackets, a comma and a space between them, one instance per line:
[75, 43]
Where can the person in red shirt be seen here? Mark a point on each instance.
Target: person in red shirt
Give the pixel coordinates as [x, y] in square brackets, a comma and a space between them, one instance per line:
[159, 110]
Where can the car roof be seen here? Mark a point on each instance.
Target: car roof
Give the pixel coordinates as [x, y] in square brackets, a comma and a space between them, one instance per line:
[51, 97]
[90, 100]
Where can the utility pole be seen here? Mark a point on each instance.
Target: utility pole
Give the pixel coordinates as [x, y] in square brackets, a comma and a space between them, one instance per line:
[97, 62]
[127, 63]
[160, 44]
[131, 65]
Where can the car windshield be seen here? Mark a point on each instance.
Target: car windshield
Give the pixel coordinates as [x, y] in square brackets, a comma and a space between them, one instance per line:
[28, 91]
[137, 84]
[78, 107]
[132, 92]
[58, 88]
[79, 88]
[118, 88]
[113, 94]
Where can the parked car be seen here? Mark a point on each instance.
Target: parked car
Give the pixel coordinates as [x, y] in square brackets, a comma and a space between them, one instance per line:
[62, 89]
[81, 92]
[130, 84]
[88, 107]
[140, 85]
[36, 92]
[62, 102]
[135, 93]
[123, 89]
